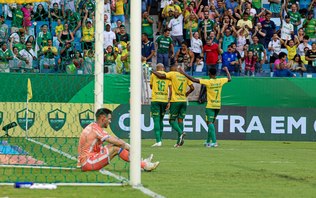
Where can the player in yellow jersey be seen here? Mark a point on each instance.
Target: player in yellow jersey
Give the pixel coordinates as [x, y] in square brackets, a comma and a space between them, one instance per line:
[161, 92]
[213, 89]
[178, 101]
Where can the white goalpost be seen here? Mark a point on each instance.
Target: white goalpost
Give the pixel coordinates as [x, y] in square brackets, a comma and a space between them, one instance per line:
[135, 83]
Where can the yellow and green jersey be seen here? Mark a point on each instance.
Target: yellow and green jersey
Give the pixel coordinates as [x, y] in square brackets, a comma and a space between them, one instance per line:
[159, 91]
[214, 91]
[179, 86]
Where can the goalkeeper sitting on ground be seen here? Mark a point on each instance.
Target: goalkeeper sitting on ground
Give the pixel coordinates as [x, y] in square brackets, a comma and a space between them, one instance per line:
[94, 156]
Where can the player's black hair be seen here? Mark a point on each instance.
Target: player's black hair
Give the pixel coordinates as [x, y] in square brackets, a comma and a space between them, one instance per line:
[212, 71]
[103, 111]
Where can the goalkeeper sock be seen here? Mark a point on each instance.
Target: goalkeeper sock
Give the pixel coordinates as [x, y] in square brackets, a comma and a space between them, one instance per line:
[176, 127]
[157, 128]
[124, 154]
[211, 133]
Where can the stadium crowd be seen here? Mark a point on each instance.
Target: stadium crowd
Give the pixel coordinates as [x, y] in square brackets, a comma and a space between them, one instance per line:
[250, 37]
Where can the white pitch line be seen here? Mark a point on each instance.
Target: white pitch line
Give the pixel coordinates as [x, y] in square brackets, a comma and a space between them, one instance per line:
[53, 149]
[103, 171]
[39, 167]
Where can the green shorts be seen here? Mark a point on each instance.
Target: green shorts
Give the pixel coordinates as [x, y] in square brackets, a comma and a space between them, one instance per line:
[177, 110]
[158, 108]
[210, 114]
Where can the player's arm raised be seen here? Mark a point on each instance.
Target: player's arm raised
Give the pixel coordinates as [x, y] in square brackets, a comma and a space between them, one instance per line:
[159, 75]
[189, 77]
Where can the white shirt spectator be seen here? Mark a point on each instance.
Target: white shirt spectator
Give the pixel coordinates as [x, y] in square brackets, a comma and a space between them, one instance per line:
[253, 12]
[164, 3]
[108, 38]
[276, 46]
[176, 25]
[7, 9]
[29, 56]
[196, 45]
[300, 48]
[55, 1]
[286, 30]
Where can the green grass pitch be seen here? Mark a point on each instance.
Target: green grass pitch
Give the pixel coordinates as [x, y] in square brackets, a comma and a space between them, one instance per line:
[234, 169]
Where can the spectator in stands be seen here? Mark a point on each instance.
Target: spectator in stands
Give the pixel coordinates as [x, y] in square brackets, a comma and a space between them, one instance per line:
[301, 47]
[43, 37]
[294, 15]
[88, 62]
[258, 49]
[164, 44]
[275, 49]
[29, 54]
[310, 56]
[310, 26]
[196, 44]
[27, 12]
[163, 4]
[49, 52]
[148, 48]
[269, 26]
[87, 38]
[239, 59]
[17, 18]
[59, 28]
[291, 47]
[17, 62]
[297, 65]
[107, 11]
[185, 57]
[281, 59]
[287, 28]
[190, 21]
[242, 35]
[275, 8]
[301, 34]
[257, 4]
[4, 30]
[176, 26]
[231, 4]
[5, 56]
[109, 60]
[211, 50]
[245, 22]
[31, 39]
[122, 36]
[19, 45]
[250, 63]
[228, 37]
[312, 8]
[283, 72]
[229, 60]
[125, 58]
[67, 54]
[40, 14]
[109, 36]
[55, 13]
[74, 22]
[199, 64]
[206, 26]
[116, 27]
[147, 25]
[118, 11]
[65, 36]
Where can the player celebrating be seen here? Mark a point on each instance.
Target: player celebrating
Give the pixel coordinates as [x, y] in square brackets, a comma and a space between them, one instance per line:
[213, 89]
[159, 102]
[94, 156]
[178, 105]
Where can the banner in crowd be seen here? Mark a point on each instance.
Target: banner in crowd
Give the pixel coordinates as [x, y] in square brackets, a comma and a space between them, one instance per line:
[242, 123]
